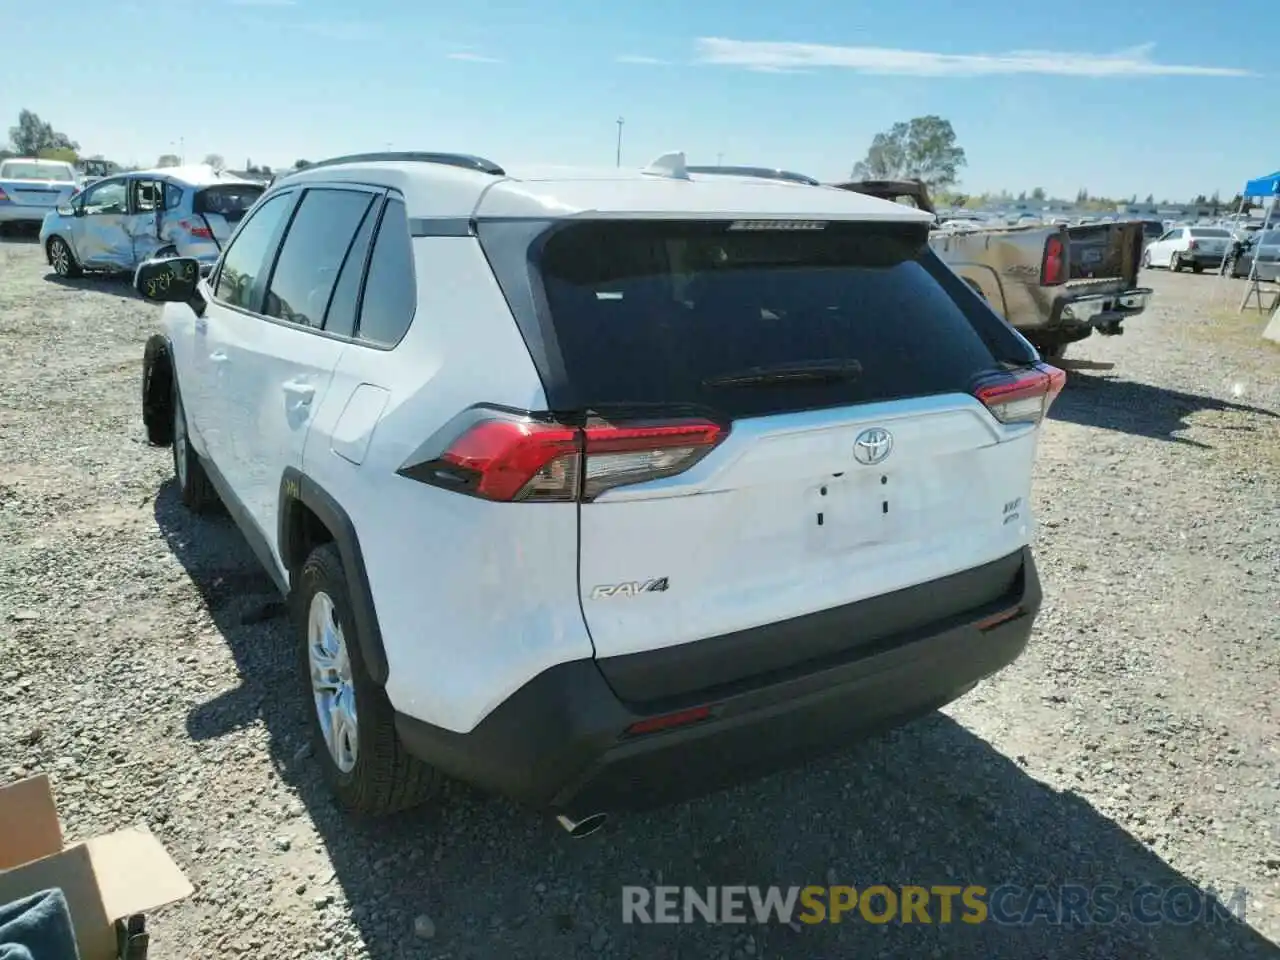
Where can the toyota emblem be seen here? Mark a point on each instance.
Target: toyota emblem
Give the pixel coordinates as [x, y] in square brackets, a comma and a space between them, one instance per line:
[873, 446]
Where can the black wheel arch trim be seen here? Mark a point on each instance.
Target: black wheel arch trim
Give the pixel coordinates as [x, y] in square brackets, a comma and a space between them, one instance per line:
[297, 489]
[157, 390]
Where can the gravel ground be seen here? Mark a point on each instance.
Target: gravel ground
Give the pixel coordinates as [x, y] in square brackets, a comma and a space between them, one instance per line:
[146, 668]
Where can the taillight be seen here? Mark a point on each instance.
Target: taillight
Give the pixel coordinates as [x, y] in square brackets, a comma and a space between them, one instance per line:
[1052, 271]
[4, 197]
[196, 230]
[508, 459]
[1195, 244]
[1023, 396]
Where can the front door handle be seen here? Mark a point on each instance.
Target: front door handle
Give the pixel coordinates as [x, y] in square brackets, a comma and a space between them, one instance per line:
[300, 393]
[219, 357]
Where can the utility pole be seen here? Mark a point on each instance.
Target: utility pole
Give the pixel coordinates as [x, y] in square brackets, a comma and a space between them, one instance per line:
[619, 152]
[719, 159]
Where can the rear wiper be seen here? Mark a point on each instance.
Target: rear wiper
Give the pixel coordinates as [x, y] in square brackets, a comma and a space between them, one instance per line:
[786, 373]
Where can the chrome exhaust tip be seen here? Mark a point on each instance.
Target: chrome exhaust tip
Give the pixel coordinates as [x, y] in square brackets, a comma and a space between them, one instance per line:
[584, 827]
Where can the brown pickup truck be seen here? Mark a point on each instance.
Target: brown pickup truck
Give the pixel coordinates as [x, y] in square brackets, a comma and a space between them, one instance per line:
[1054, 284]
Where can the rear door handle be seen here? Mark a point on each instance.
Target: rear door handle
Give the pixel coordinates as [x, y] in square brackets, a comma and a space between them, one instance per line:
[301, 393]
[219, 357]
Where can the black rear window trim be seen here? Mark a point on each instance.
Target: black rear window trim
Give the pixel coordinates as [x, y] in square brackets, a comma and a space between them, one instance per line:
[565, 399]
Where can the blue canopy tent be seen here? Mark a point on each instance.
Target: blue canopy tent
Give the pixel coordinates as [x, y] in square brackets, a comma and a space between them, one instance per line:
[1263, 186]
[1268, 186]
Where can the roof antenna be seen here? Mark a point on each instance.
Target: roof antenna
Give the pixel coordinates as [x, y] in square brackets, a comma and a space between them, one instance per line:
[669, 165]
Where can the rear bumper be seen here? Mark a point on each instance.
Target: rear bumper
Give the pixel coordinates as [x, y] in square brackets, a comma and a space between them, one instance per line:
[1104, 312]
[18, 213]
[561, 741]
[1203, 259]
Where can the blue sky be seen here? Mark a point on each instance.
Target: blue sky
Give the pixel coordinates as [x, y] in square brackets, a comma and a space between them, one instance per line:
[1118, 96]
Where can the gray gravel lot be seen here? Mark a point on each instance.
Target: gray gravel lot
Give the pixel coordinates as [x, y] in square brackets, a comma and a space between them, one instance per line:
[145, 667]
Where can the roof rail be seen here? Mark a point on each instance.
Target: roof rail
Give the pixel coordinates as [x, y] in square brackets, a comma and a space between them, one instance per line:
[764, 173]
[463, 160]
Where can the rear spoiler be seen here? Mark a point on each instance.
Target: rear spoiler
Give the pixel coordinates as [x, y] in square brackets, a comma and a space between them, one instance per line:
[893, 190]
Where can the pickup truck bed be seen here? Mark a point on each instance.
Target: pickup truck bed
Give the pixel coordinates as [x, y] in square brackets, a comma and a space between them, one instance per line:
[1054, 284]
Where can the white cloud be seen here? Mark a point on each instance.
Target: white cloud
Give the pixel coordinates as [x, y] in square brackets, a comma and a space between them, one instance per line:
[472, 57]
[791, 57]
[643, 61]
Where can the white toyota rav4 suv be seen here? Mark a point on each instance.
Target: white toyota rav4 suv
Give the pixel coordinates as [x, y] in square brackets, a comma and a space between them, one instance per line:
[602, 488]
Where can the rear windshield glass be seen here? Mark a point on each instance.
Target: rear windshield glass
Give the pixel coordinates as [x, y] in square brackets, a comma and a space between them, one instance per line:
[1210, 234]
[1151, 228]
[230, 201]
[649, 313]
[18, 170]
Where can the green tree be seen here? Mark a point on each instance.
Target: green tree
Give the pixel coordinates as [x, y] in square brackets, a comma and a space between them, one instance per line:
[1151, 198]
[32, 135]
[301, 164]
[1038, 194]
[923, 148]
[215, 160]
[168, 160]
[65, 154]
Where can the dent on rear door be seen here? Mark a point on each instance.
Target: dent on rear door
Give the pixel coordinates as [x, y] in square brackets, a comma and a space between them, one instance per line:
[144, 235]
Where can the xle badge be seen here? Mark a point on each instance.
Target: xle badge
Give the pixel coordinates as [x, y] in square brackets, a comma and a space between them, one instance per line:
[632, 588]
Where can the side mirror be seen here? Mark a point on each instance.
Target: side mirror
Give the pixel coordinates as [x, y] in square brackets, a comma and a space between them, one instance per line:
[66, 210]
[171, 280]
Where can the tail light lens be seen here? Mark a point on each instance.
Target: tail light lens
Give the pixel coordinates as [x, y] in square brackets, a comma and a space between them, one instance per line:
[1194, 245]
[4, 197]
[1023, 396]
[514, 459]
[196, 230]
[1053, 267]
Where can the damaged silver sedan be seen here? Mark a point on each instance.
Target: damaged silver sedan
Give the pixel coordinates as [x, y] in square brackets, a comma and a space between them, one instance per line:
[122, 221]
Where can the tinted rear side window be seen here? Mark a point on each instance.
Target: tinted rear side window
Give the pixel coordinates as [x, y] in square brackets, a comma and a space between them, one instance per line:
[231, 201]
[312, 254]
[390, 291]
[1202, 233]
[648, 313]
[341, 318]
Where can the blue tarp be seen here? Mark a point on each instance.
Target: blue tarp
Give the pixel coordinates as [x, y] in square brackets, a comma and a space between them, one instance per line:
[1263, 186]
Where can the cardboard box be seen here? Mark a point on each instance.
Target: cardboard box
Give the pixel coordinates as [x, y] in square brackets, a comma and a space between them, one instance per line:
[107, 880]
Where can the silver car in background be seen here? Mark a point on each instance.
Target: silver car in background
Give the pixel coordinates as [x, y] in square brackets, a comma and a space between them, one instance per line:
[30, 188]
[124, 220]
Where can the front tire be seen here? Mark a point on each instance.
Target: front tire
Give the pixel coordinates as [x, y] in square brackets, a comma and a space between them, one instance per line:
[62, 260]
[352, 722]
[193, 483]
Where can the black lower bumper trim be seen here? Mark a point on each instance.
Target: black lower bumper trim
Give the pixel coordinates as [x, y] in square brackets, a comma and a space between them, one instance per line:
[559, 743]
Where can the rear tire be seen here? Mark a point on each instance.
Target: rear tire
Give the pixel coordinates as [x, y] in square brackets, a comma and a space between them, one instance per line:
[62, 260]
[1175, 264]
[1197, 268]
[193, 483]
[368, 770]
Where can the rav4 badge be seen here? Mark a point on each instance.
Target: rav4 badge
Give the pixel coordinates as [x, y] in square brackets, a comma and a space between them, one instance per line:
[632, 588]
